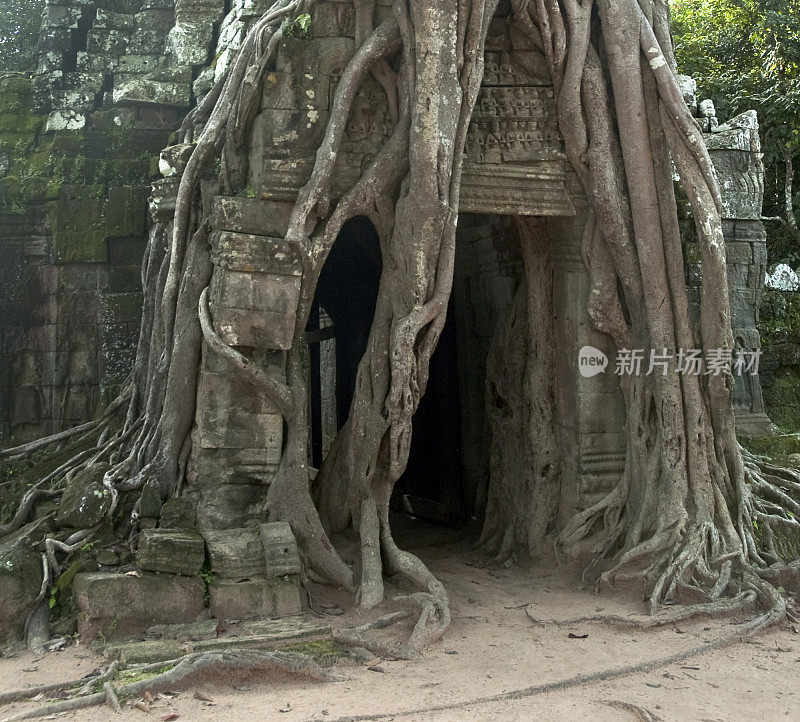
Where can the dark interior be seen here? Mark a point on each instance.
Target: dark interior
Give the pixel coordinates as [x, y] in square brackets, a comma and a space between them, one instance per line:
[347, 290]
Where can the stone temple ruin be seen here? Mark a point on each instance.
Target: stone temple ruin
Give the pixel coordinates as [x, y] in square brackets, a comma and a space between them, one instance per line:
[81, 142]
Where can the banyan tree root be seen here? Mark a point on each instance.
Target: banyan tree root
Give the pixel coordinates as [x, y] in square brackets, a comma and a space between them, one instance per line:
[358, 637]
[190, 668]
[691, 515]
[742, 603]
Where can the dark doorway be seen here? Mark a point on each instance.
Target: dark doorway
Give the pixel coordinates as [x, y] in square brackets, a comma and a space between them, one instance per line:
[432, 485]
[339, 325]
[337, 334]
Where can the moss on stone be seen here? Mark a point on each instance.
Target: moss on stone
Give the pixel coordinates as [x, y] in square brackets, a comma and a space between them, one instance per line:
[78, 228]
[324, 651]
[782, 400]
[773, 446]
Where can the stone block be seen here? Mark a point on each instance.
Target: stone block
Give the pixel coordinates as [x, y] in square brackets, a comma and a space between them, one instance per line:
[324, 56]
[126, 211]
[85, 501]
[251, 216]
[119, 605]
[333, 20]
[173, 159]
[271, 634]
[151, 650]
[255, 598]
[190, 41]
[289, 133]
[237, 429]
[120, 307]
[284, 91]
[280, 549]
[227, 505]
[235, 553]
[179, 513]
[125, 279]
[78, 229]
[191, 632]
[149, 41]
[176, 551]
[163, 197]
[256, 253]
[151, 92]
[232, 467]
[269, 324]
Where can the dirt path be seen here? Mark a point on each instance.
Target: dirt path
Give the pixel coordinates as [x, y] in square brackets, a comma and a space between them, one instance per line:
[492, 648]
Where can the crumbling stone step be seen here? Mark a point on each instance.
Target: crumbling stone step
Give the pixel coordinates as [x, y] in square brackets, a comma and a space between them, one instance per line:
[192, 632]
[151, 650]
[264, 635]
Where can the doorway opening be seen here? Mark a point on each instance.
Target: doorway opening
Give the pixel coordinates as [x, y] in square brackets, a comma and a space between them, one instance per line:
[447, 473]
[338, 328]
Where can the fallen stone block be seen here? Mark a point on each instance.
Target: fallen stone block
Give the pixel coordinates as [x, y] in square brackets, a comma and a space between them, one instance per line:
[179, 513]
[175, 551]
[121, 605]
[280, 549]
[193, 631]
[235, 553]
[255, 598]
[271, 634]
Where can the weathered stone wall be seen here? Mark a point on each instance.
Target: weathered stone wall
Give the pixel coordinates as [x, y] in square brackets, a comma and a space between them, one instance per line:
[735, 150]
[78, 148]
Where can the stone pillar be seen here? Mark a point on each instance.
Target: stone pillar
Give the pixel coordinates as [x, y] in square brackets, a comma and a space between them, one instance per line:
[254, 292]
[590, 414]
[736, 153]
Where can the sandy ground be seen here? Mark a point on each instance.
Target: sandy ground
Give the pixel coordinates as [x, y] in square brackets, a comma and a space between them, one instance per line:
[493, 648]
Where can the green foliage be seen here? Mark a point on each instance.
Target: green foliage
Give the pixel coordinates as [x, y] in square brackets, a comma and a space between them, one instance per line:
[20, 21]
[745, 55]
[780, 317]
[300, 27]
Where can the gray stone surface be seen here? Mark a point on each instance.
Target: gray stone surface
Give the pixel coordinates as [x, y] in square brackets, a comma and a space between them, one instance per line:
[115, 606]
[20, 579]
[178, 513]
[193, 631]
[255, 598]
[176, 551]
[235, 553]
[85, 501]
[143, 652]
[280, 549]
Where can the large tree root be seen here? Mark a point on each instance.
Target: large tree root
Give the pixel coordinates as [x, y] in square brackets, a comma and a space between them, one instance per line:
[85, 687]
[740, 604]
[357, 637]
[189, 668]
